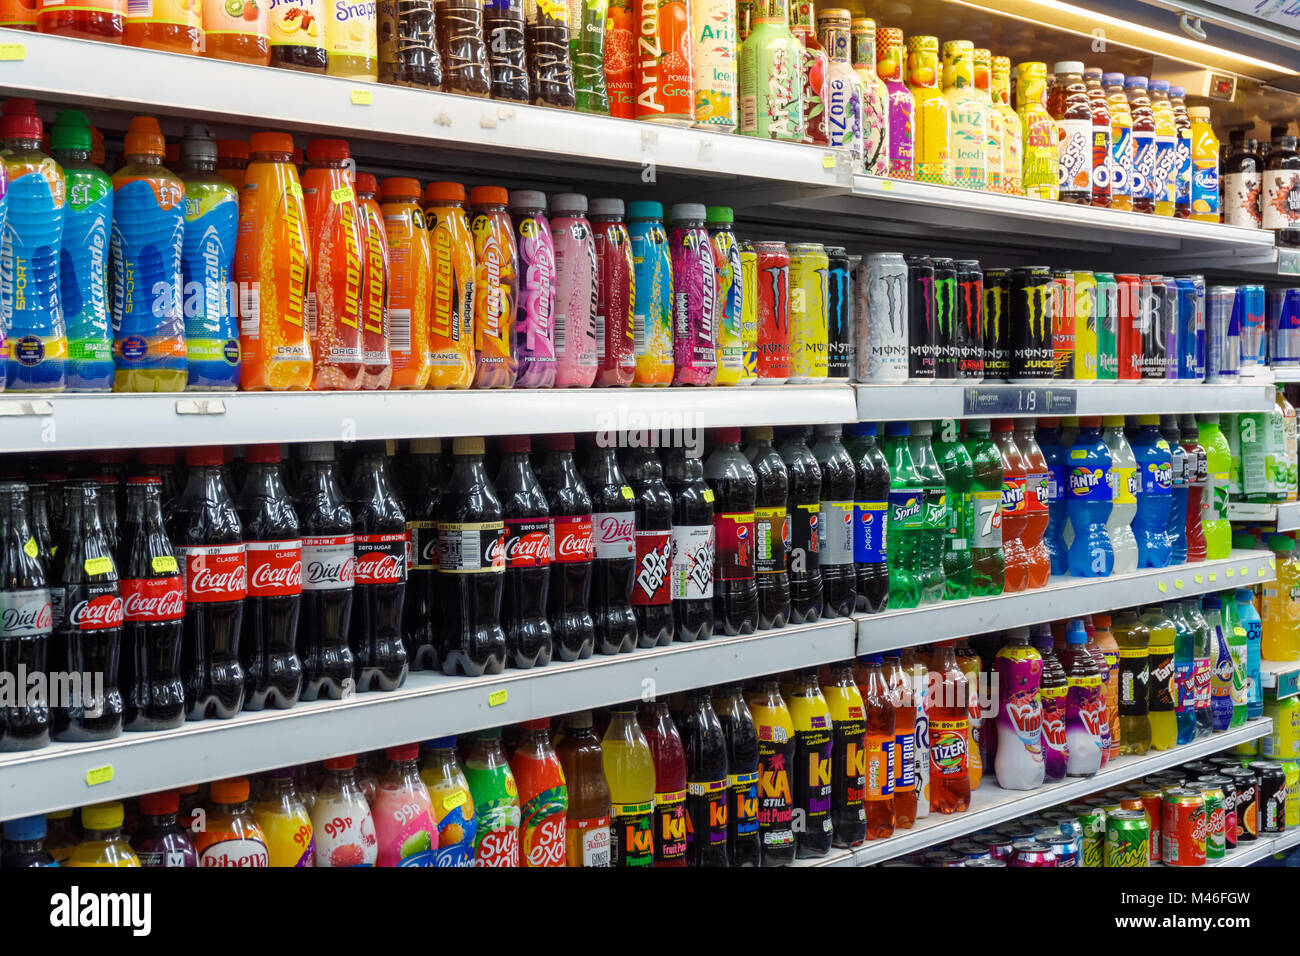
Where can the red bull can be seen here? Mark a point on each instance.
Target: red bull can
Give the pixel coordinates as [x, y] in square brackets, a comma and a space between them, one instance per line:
[1254, 352]
[772, 313]
[809, 301]
[1222, 335]
[1063, 324]
[1191, 328]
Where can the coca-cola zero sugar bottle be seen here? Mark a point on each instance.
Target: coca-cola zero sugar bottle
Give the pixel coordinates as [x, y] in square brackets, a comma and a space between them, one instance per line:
[572, 551]
[651, 595]
[527, 555]
[613, 531]
[375, 632]
[425, 476]
[734, 486]
[691, 584]
[26, 621]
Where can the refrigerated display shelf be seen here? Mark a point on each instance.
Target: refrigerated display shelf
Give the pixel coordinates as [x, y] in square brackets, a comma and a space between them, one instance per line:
[1280, 677]
[1283, 517]
[1247, 853]
[427, 705]
[1061, 598]
[1287, 375]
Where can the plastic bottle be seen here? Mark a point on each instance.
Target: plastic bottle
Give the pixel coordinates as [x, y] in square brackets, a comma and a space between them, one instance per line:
[734, 486]
[983, 509]
[1103, 172]
[813, 70]
[1202, 665]
[24, 843]
[614, 558]
[1183, 145]
[835, 549]
[543, 797]
[1166, 169]
[651, 597]
[410, 281]
[1125, 488]
[1179, 486]
[158, 839]
[968, 132]
[453, 804]
[870, 515]
[955, 461]
[452, 318]
[771, 527]
[1121, 142]
[630, 770]
[496, 288]
[375, 331]
[891, 65]
[811, 770]
[1289, 438]
[1234, 633]
[881, 763]
[1089, 506]
[1214, 502]
[351, 41]
[803, 548]
[1224, 671]
[496, 802]
[1134, 640]
[284, 820]
[1057, 494]
[342, 824]
[652, 273]
[1105, 643]
[706, 781]
[691, 585]
[743, 841]
[527, 556]
[1160, 682]
[533, 344]
[27, 628]
[103, 23]
[933, 115]
[231, 835]
[1052, 692]
[1184, 666]
[903, 698]
[1085, 707]
[857, 758]
[586, 823]
[375, 632]
[297, 36]
[173, 27]
[102, 842]
[971, 665]
[949, 733]
[1144, 143]
[906, 519]
[1205, 200]
[1037, 495]
[1070, 107]
[670, 810]
[1014, 505]
[1249, 618]
[1019, 669]
[1155, 478]
[237, 30]
[696, 307]
[776, 764]
[1197, 466]
[930, 559]
[731, 326]
[569, 602]
[771, 76]
[1280, 626]
[577, 275]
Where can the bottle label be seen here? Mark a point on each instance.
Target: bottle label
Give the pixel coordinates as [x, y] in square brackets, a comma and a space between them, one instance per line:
[986, 519]
[692, 571]
[905, 762]
[1281, 204]
[936, 509]
[1144, 165]
[1089, 484]
[631, 834]
[1201, 681]
[571, 539]
[1241, 195]
[670, 827]
[98, 607]
[1056, 484]
[350, 29]
[422, 546]
[1124, 485]
[743, 791]
[706, 812]
[214, 573]
[775, 806]
[733, 552]
[869, 531]
[475, 547]
[1036, 490]
[588, 842]
[1134, 675]
[654, 556]
[1184, 688]
[328, 563]
[1013, 496]
[498, 843]
[235, 17]
[1161, 673]
[949, 740]
[274, 568]
[771, 537]
[881, 771]
[1157, 477]
[837, 533]
[232, 852]
[381, 558]
[614, 535]
[1074, 155]
[27, 613]
[528, 542]
[541, 828]
[153, 599]
[813, 786]
[297, 23]
[805, 537]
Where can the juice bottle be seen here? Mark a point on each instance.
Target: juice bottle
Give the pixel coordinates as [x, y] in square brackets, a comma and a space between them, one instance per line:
[285, 820]
[742, 775]
[726, 257]
[695, 301]
[903, 700]
[876, 113]
[1249, 618]
[351, 41]
[577, 290]
[453, 805]
[1145, 187]
[776, 742]
[1214, 501]
[652, 271]
[1121, 141]
[1280, 633]
[232, 161]
[1205, 166]
[713, 63]
[664, 83]
[630, 772]
[845, 125]
[622, 27]
[586, 826]
[1012, 134]
[814, 67]
[1103, 173]
[101, 20]
[148, 230]
[1037, 478]
[496, 801]
[855, 759]
[882, 755]
[102, 843]
[616, 292]
[814, 743]
[931, 134]
[948, 711]
[172, 25]
[1134, 639]
[543, 797]
[1184, 666]
[971, 665]
[408, 47]
[273, 266]
[1183, 154]
[403, 812]
[1109, 647]
[1039, 174]
[670, 828]
[771, 82]
[993, 126]
[587, 53]
[451, 320]
[341, 821]
[1289, 443]
[236, 30]
[207, 260]
[1234, 634]
[231, 835]
[1160, 681]
[18, 15]
[410, 281]
[1197, 480]
[1069, 104]
[1014, 506]
[1052, 691]
[496, 288]
[891, 64]
[968, 131]
[378, 371]
[1018, 763]
[1166, 170]
[337, 258]
[297, 35]
[158, 839]
[1085, 705]
[706, 780]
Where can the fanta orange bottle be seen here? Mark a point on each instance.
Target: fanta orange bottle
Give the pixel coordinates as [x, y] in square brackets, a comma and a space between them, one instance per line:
[235, 30]
[172, 25]
[273, 269]
[374, 289]
[947, 705]
[1014, 505]
[451, 316]
[409, 274]
[334, 295]
[102, 20]
[495, 288]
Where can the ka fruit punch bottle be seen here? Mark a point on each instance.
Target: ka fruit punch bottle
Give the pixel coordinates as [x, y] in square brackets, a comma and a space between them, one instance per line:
[776, 745]
[670, 832]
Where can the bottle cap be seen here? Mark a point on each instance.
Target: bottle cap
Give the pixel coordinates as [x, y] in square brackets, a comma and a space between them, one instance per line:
[316, 451]
[322, 150]
[399, 187]
[580, 719]
[612, 208]
[1208, 418]
[404, 752]
[857, 429]
[234, 790]
[726, 434]
[235, 149]
[896, 429]
[1245, 596]
[558, 442]
[441, 743]
[444, 192]
[759, 433]
[1089, 421]
[261, 454]
[980, 425]
[1177, 92]
[488, 196]
[467, 446]
[1067, 66]
[687, 212]
[1113, 421]
[160, 804]
[515, 443]
[144, 138]
[1280, 542]
[568, 202]
[1211, 602]
[1018, 634]
[829, 431]
[197, 145]
[425, 446]
[204, 455]
[1160, 85]
[25, 828]
[71, 131]
[1075, 632]
[923, 427]
[489, 733]
[1244, 539]
[720, 214]
[1149, 420]
[281, 143]
[540, 723]
[1135, 81]
[1101, 621]
[143, 480]
[367, 185]
[1113, 79]
[1199, 113]
[102, 816]
[20, 119]
[645, 209]
[528, 199]
[346, 762]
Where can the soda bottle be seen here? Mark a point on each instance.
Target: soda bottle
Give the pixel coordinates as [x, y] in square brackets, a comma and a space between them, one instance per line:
[1125, 488]
[1089, 505]
[209, 540]
[771, 527]
[1179, 482]
[375, 632]
[670, 828]
[971, 665]
[948, 712]
[1224, 670]
[426, 476]
[803, 553]
[1198, 478]
[906, 518]
[902, 754]
[695, 302]
[932, 543]
[572, 547]
[1235, 635]
[102, 842]
[496, 801]
[813, 794]
[958, 473]
[231, 835]
[1085, 704]
[1214, 499]
[1160, 678]
[630, 770]
[453, 805]
[1103, 668]
[1134, 639]
[1037, 496]
[1104, 643]
[1014, 505]
[613, 567]
[282, 816]
[1155, 480]
[742, 775]
[341, 821]
[376, 333]
[24, 843]
[526, 582]
[534, 330]
[451, 322]
[1249, 619]
[653, 503]
[328, 575]
[1184, 662]
[1019, 668]
[870, 516]
[1202, 665]
[543, 797]
[26, 623]
[882, 754]
[586, 824]
[835, 547]
[776, 764]
[1052, 692]
[1166, 170]
[615, 344]
[983, 508]
[1145, 187]
[577, 288]
[158, 839]
[410, 274]
[707, 796]
[852, 766]
[735, 487]
[471, 567]
[1069, 104]
[691, 584]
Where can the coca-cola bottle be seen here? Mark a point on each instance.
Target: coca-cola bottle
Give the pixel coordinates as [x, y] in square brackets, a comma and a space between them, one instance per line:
[735, 487]
[651, 597]
[272, 670]
[153, 611]
[471, 567]
[425, 476]
[88, 630]
[771, 528]
[613, 532]
[804, 506]
[26, 621]
[528, 556]
[54, 474]
[110, 491]
[691, 584]
[375, 633]
[209, 541]
[328, 571]
[161, 463]
[568, 606]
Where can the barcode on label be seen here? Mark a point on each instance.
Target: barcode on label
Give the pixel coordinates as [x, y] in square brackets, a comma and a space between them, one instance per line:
[748, 112]
[600, 337]
[399, 330]
[311, 314]
[250, 311]
[638, 335]
[561, 331]
[139, 8]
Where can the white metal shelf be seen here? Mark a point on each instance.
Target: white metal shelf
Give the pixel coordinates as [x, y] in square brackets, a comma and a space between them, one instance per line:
[1283, 517]
[1287, 374]
[1280, 677]
[1061, 598]
[1247, 853]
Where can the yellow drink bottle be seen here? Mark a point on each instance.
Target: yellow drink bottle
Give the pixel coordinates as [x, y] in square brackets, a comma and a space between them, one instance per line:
[1133, 639]
[931, 145]
[995, 135]
[1205, 166]
[630, 772]
[351, 40]
[1012, 134]
[968, 136]
[1166, 174]
[971, 666]
[1160, 681]
[1280, 636]
[285, 822]
[1038, 133]
[775, 729]
[102, 843]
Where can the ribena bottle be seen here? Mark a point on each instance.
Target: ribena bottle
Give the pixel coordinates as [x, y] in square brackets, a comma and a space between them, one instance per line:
[26, 620]
[804, 510]
[375, 632]
[734, 486]
[651, 593]
[613, 568]
[571, 548]
[771, 528]
[693, 545]
[421, 611]
[527, 557]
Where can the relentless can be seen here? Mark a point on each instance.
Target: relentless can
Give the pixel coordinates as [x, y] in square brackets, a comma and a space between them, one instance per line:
[1032, 343]
[1284, 327]
[943, 858]
[749, 311]
[1031, 853]
[772, 312]
[1105, 311]
[922, 339]
[1270, 790]
[1183, 827]
[970, 320]
[1229, 789]
[809, 275]
[1216, 821]
[1151, 303]
[1062, 312]
[1093, 822]
[839, 314]
[1253, 342]
[970, 850]
[1247, 804]
[947, 341]
[997, 324]
[1128, 326]
[880, 318]
[1127, 839]
[1222, 335]
[1191, 328]
[1086, 347]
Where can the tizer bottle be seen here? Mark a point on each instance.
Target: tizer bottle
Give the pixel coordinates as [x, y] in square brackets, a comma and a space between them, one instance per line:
[526, 582]
[949, 714]
[870, 517]
[803, 544]
[771, 528]
[734, 486]
[839, 485]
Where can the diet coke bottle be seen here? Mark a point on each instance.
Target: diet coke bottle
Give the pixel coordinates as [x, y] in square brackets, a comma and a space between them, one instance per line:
[691, 584]
[153, 607]
[571, 548]
[426, 477]
[613, 532]
[209, 541]
[328, 571]
[26, 620]
[651, 601]
[42, 531]
[375, 633]
[528, 556]
[269, 646]
[88, 630]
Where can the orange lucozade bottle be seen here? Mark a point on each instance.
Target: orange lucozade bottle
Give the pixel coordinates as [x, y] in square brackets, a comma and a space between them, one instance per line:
[102, 20]
[378, 372]
[273, 269]
[236, 30]
[410, 268]
[172, 25]
[451, 316]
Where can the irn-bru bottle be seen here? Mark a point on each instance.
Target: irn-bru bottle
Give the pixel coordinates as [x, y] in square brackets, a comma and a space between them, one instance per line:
[451, 318]
[543, 797]
[495, 288]
[102, 842]
[273, 268]
[880, 726]
[378, 371]
[172, 25]
[948, 708]
[453, 806]
[410, 280]
[652, 271]
[776, 765]
[235, 30]
[630, 772]
[148, 237]
[102, 20]
[931, 147]
[1038, 132]
[811, 774]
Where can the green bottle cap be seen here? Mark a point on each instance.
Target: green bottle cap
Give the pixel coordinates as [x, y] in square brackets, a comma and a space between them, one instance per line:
[719, 214]
[71, 131]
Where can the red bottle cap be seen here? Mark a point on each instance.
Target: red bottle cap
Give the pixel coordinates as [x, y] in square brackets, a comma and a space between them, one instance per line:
[157, 456]
[541, 723]
[1003, 425]
[261, 454]
[234, 790]
[173, 154]
[367, 184]
[726, 434]
[319, 150]
[144, 138]
[1049, 423]
[159, 804]
[444, 192]
[559, 442]
[143, 480]
[399, 187]
[488, 196]
[271, 143]
[1090, 421]
[522, 443]
[341, 763]
[204, 455]
[20, 119]
[404, 752]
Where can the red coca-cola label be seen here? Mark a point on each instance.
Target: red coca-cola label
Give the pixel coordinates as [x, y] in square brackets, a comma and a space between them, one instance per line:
[381, 558]
[528, 542]
[153, 599]
[274, 568]
[733, 553]
[654, 558]
[421, 546]
[571, 539]
[97, 607]
[613, 535]
[214, 573]
[329, 563]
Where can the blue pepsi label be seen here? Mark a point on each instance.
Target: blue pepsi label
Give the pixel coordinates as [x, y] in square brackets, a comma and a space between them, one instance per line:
[869, 534]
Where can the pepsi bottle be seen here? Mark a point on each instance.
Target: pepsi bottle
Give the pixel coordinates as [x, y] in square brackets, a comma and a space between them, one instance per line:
[805, 525]
[771, 528]
[375, 633]
[735, 488]
[613, 568]
[651, 596]
[692, 584]
[569, 605]
[839, 487]
[870, 512]
[529, 641]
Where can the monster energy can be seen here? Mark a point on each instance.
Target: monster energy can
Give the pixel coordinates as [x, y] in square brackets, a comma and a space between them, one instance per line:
[947, 337]
[1105, 305]
[1032, 343]
[997, 324]
[922, 342]
[1061, 305]
[970, 320]
[880, 318]
[809, 275]
[839, 314]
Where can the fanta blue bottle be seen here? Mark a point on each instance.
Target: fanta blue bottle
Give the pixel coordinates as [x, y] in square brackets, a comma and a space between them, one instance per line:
[1155, 495]
[1179, 485]
[1049, 440]
[1090, 502]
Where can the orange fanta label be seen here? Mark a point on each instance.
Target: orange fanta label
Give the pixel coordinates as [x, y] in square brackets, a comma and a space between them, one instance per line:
[495, 288]
[451, 310]
[409, 268]
[374, 288]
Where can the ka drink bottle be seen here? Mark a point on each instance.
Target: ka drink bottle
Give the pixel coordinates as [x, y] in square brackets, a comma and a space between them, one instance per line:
[526, 581]
[870, 516]
[771, 528]
[613, 568]
[811, 772]
[706, 781]
[734, 486]
[776, 744]
[692, 583]
[839, 487]
[804, 513]
[651, 591]
[665, 742]
[630, 771]
[849, 754]
[742, 775]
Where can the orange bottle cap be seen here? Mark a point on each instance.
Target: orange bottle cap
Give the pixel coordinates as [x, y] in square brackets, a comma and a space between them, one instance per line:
[445, 192]
[319, 150]
[234, 790]
[144, 138]
[399, 187]
[238, 149]
[271, 143]
[488, 196]
[367, 184]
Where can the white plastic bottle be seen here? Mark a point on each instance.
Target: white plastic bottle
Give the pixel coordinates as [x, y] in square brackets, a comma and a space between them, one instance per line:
[1123, 486]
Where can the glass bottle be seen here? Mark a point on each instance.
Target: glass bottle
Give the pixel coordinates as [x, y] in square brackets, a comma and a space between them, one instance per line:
[890, 67]
[932, 132]
[875, 98]
[1012, 134]
[1038, 132]
[814, 68]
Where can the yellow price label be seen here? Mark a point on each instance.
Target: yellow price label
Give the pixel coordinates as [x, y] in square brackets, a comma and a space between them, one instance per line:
[498, 697]
[1214, 576]
[1178, 583]
[163, 564]
[362, 97]
[627, 492]
[455, 799]
[1230, 572]
[101, 565]
[13, 51]
[1198, 578]
[887, 185]
[1244, 571]
[1162, 587]
[1261, 573]
[341, 195]
[30, 549]
[97, 775]
[708, 495]
[828, 161]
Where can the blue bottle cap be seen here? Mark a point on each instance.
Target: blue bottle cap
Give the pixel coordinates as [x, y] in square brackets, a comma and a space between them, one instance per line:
[1212, 602]
[441, 743]
[645, 209]
[895, 429]
[856, 429]
[1245, 596]
[1075, 632]
[25, 828]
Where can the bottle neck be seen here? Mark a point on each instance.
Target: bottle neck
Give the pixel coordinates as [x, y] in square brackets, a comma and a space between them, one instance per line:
[835, 40]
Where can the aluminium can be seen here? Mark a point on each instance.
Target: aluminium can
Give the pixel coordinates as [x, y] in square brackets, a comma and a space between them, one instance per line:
[1127, 839]
[1229, 789]
[1151, 797]
[1270, 790]
[880, 318]
[1222, 335]
[948, 341]
[1254, 343]
[749, 311]
[970, 320]
[1246, 802]
[1216, 820]
[809, 281]
[1061, 307]
[772, 313]
[1129, 333]
[1086, 338]
[1092, 820]
[922, 339]
[1032, 342]
[1106, 318]
[1032, 853]
[1191, 328]
[943, 858]
[1183, 827]
[1292, 771]
[1068, 850]
[1151, 303]
[970, 850]
[1284, 327]
[839, 314]
[997, 325]
[970, 863]
[1172, 347]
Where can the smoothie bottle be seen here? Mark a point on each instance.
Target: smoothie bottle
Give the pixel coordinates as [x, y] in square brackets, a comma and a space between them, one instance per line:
[586, 824]
[577, 272]
[695, 297]
[403, 812]
[341, 822]
[451, 319]
[410, 281]
[231, 835]
[932, 134]
[731, 339]
[891, 64]
[453, 806]
[543, 797]
[776, 743]
[495, 288]
[158, 839]
[285, 820]
[652, 314]
[534, 325]
[378, 370]
[102, 842]
[496, 801]
[615, 294]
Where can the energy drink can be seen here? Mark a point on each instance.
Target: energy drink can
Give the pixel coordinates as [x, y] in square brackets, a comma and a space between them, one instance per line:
[1172, 348]
[809, 275]
[1151, 303]
[1031, 853]
[772, 312]
[1032, 343]
[1222, 335]
[1254, 346]
[1129, 326]
[1068, 850]
[1191, 328]
[1284, 327]
[1270, 789]
[1105, 311]
[947, 337]
[1247, 804]
[922, 340]
[997, 325]
[970, 320]
[839, 314]
[1062, 311]
[1292, 771]
[749, 311]
[1086, 346]
[880, 318]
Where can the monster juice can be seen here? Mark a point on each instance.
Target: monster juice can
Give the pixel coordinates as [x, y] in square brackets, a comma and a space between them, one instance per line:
[947, 340]
[1085, 326]
[1105, 307]
[1032, 345]
[1222, 335]
[809, 275]
[970, 320]
[1061, 306]
[922, 342]
[772, 312]
[1151, 302]
[880, 318]
[997, 324]
[839, 314]
[1129, 326]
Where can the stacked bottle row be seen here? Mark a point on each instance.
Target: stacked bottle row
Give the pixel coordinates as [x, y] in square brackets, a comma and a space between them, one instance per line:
[1261, 183]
